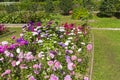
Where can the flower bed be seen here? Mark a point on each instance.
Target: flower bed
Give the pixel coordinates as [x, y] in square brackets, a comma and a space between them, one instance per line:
[48, 52]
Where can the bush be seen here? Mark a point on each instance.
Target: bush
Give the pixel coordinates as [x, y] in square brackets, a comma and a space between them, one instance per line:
[66, 6]
[11, 8]
[107, 8]
[49, 6]
[80, 13]
[26, 16]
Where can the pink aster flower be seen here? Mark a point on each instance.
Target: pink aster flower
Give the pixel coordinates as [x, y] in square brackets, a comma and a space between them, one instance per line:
[53, 77]
[89, 47]
[70, 66]
[50, 63]
[31, 78]
[1, 59]
[79, 60]
[67, 77]
[23, 66]
[13, 63]
[57, 64]
[86, 78]
[8, 71]
[73, 58]
[36, 71]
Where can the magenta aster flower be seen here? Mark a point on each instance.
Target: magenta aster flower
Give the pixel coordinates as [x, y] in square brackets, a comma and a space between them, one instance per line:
[53, 77]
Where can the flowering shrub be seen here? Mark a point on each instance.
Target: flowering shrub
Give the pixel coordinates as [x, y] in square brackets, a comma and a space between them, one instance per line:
[2, 29]
[46, 52]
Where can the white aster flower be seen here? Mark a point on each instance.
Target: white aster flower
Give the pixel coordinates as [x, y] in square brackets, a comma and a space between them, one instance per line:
[35, 33]
[18, 50]
[4, 43]
[18, 62]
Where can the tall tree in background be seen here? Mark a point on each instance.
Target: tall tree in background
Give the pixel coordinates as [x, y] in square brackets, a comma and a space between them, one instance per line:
[66, 6]
[107, 8]
[49, 6]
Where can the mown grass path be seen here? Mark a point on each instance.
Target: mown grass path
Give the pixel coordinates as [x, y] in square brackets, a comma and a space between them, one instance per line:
[106, 55]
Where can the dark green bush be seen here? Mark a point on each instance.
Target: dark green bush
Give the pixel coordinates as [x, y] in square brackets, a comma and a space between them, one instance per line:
[66, 6]
[11, 8]
[49, 6]
[107, 8]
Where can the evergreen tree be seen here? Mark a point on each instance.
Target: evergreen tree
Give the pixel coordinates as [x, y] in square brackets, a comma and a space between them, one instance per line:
[107, 8]
[49, 6]
[66, 6]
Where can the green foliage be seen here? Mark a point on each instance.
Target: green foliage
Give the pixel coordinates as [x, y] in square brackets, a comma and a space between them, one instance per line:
[11, 8]
[66, 6]
[49, 6]
[80, 13]
[107, 8]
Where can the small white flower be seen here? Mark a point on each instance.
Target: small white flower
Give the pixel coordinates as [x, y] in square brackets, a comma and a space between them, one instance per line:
[55, 41]
[35, 29]
[4, 43]
[21, 35]
[62, 29]
[18, 50]
[67, 43]
[35, 33]
[82, 43]
[80, 49]
[79, 32]
[70, 38]
[40, 41]
[42, 35]
[18, 62]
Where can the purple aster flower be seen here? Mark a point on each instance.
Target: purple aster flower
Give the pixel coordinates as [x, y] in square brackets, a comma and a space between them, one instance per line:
[2, 50]
[68, 59]
[12, 46]
[8, 71]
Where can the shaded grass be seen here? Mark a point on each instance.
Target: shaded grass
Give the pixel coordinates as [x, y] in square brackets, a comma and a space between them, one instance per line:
[105, 22]
[7, 37]
[107, 55]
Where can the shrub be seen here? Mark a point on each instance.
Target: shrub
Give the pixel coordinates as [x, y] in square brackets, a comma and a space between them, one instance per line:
[66, 6]
[107, 8]
[49, 6]
[80, 13]
[10, 8]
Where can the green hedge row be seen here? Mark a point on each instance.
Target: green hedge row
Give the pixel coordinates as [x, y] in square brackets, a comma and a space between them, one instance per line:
[26, 16]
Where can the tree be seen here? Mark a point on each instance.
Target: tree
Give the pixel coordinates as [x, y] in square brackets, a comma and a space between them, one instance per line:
[107, 8]
[66, 6]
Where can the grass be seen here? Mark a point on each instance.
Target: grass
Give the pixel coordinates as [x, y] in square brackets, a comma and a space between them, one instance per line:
[8, 36]
[105, 22]
[107, 55]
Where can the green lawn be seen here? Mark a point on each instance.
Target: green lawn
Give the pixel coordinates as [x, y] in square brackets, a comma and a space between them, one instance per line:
[105, 22]
[8, 36]
[107, 55]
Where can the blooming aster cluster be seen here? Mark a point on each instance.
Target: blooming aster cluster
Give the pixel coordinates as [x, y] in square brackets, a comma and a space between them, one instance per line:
[49, 52]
